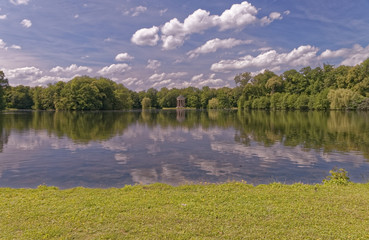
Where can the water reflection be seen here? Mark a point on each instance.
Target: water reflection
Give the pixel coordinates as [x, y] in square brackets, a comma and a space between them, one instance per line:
[105, 149]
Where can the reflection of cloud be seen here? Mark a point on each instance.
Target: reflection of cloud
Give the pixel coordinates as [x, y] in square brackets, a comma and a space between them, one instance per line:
[115, 144]
[298, 155]
[212, 167]
[144, 176]
[165, 174]
[121, 158]
[171, 175]
[23, 143]
[7, 164]
[173, 135]
[153, 149]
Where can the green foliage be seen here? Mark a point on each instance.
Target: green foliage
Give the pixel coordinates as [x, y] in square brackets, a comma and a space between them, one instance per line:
[261, 103]
[344, 99]
[19, 97]
[3, 85]
[83, 93]
[324, 88]
[276, 101]
[206, 94]
[225, 98]
[213, 103]
[274, 84]
[136, 101]
[152, 93]
[122, 97]
[364, 105]
[146, 103]
[167, 98]
[320, 101]
[242, 79]
[337, 177]
[302, 102]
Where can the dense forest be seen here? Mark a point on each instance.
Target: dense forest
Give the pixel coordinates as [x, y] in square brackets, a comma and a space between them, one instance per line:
[321, 88]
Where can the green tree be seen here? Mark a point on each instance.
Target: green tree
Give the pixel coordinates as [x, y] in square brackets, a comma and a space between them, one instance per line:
[344, 99]
[122, 98]
[242, 79]
[225, 98]
[206, 94]
[136, 102]
[295, 82]
[81, 93]
[276, 101]
[20, 97]
[192, 95]
[146, 103]
[213, 103]
[274, 84]
[152, 94]
[107, 95]
[3, 85]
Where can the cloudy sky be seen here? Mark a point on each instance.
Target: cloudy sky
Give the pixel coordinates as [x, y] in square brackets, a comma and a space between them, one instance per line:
[172, 43]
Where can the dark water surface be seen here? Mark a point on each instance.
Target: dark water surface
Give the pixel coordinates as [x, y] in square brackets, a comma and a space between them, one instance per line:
[112, 149]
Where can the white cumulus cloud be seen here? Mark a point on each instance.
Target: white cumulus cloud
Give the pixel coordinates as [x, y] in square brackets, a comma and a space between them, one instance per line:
[272, 16]
[160, 77]
[44, 80]
[238, 16]
[26, 23]
[134, 12]
[146, 36]
[211, 81]
[16, 47]
[3, 17]
[19, 2]
[128, 81]
[215, 44]
[4, 46]
[121, 57]
[162, 11]
[153, 64]
[71, 70]
[25, 75]
[350, 56]
[174, 32]
[197, 77]
[114, 69]
[301, 56]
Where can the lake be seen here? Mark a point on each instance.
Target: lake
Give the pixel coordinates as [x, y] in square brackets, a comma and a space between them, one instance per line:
[113, 149]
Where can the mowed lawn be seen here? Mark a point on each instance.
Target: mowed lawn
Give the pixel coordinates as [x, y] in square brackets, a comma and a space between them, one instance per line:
[233, 210]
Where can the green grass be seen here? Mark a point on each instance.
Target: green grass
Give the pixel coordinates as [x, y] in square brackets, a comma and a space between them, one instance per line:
[202, 211]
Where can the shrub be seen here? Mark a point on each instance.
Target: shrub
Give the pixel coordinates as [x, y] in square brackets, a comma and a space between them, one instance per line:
[337, 177]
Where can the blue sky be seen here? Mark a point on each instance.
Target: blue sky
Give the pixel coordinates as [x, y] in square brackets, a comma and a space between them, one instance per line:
[172, 43]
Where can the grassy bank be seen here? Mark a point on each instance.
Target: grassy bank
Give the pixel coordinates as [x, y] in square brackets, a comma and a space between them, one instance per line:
[214, 211]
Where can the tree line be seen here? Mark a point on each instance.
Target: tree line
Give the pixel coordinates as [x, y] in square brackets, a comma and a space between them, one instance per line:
[321, 88]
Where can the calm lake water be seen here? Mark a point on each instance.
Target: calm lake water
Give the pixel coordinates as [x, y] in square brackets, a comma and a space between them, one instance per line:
[112, 149]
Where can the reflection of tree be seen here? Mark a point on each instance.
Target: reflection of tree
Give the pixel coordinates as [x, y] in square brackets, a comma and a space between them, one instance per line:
[4, 133]
[78, 126]
[341, 131]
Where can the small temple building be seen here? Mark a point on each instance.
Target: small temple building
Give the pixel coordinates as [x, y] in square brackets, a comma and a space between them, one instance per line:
[181, 102]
